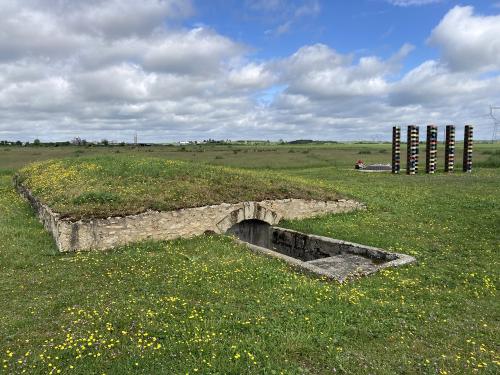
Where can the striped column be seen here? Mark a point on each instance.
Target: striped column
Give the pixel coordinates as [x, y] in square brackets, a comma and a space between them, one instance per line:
[449, 148]
[467, 164]
[396, 149]
[431, 149]
[412, 150]
[417, 147]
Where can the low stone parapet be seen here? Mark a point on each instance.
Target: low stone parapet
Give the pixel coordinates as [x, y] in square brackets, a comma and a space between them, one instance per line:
[100, 234]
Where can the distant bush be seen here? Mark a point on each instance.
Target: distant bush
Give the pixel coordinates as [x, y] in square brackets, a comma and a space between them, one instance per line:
[383, 151]
[301, 142]
[364, 152]
[291, 150]
[218, 157]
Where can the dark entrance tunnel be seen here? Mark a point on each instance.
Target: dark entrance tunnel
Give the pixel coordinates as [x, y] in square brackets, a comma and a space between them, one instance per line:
[326, 256]
[252, 231]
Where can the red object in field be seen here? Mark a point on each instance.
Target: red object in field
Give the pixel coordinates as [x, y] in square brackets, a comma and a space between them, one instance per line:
[359, 164]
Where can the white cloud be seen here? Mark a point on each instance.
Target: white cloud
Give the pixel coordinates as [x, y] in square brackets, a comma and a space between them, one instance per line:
[468, 41]
[431, 85]
[107, 77]
[31, 32]
[319, 72]
[407, 3]
[252, 75]
[335, 95]
[287, 14]
[124, 18]
[311, 8]
[47, 95]
[198, 51]
[58, 29]
[119, 83]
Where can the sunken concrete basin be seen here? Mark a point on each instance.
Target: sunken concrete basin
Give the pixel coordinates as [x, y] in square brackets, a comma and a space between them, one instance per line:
[328, 257]
[106, 233]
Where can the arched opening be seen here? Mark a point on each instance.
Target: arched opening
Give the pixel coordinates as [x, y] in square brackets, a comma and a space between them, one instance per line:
[252, 231]
[247, 212]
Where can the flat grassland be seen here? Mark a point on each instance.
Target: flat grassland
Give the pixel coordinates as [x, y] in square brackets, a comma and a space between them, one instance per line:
[207, 305]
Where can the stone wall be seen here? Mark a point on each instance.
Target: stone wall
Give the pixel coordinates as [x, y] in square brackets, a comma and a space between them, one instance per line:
[307, 247]
[327, 257]
[114, 231]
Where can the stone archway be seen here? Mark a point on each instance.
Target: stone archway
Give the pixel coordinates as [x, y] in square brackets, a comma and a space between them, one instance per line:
[248, 211]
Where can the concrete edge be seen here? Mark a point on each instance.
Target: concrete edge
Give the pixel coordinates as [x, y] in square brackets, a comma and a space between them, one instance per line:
[401, 259]
[373, 171]
[296, 263]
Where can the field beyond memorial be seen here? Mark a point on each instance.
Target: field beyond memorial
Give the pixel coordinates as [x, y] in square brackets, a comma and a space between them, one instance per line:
[208, 305]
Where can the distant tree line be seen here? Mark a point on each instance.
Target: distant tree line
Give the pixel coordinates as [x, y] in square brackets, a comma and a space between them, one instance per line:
[74, 142]
[307, 141]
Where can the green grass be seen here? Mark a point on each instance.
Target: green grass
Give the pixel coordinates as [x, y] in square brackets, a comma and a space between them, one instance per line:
[214, 307]
[493, 160]
[276, 157]
[115, 185]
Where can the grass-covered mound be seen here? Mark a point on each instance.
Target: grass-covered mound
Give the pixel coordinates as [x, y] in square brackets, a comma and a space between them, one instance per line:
[114, 186]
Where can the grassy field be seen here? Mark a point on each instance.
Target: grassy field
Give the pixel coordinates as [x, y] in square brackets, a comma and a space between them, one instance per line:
[247, 156]
[207, 305]
[106, 186]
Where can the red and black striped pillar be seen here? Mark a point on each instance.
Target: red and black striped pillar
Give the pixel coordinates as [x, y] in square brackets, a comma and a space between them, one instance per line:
[412, 150]
[467, 164]
[449, 148]
[431, 149]
[396, 149]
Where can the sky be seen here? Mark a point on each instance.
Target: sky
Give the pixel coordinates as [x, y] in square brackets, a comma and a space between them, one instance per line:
[174, 70]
